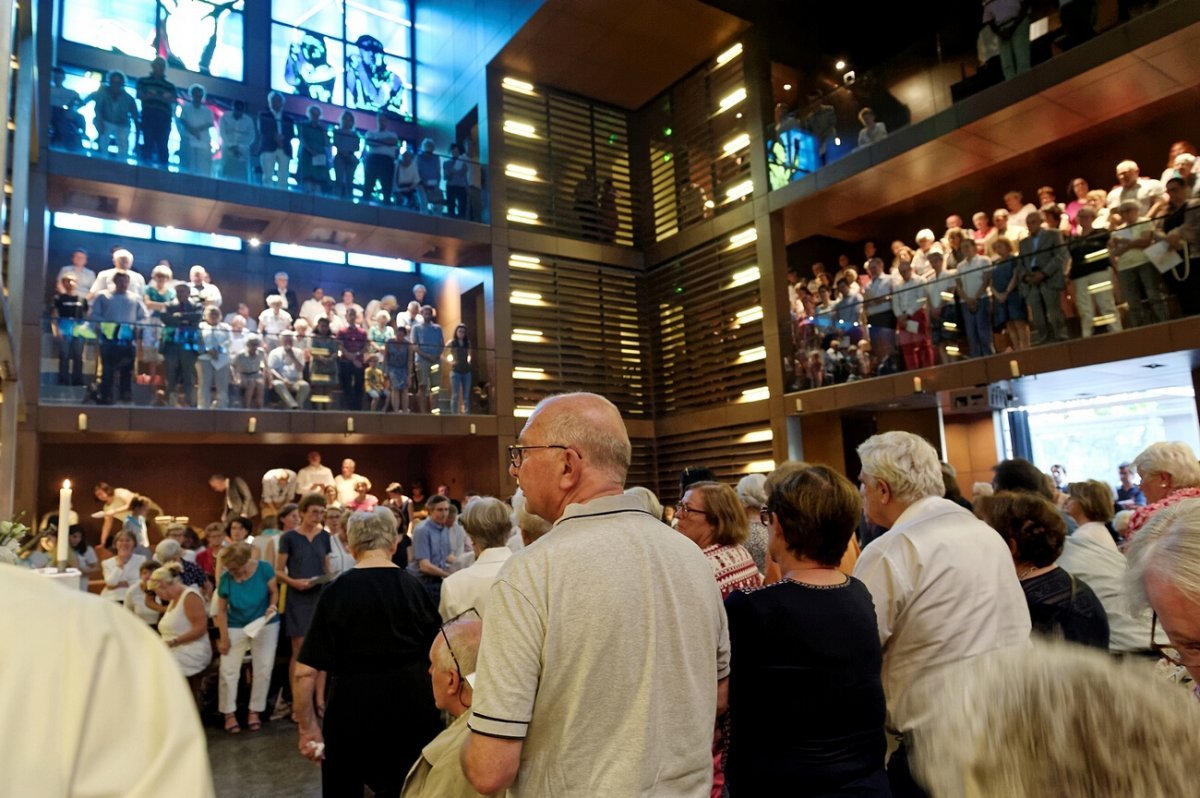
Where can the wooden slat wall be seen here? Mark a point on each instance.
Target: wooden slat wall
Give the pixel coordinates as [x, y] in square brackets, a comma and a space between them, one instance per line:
[698, 337]
[728, 452]
[644, 468]
[592, 337]
[571, 135]
[687, 135]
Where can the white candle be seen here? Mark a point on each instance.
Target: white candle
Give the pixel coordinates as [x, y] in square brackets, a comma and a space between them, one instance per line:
[252, 425]
[916, 384]
[64, 522]
[83, 422]
[349, 425]
[1014, 368]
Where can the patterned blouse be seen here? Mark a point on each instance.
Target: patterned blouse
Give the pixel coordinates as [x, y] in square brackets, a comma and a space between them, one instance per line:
[1142, 514]
[733, 567]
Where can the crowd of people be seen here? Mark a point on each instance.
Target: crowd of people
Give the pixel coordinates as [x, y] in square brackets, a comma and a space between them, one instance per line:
[179, 338]
[275, 145]
[814, 635]
[1109, 259]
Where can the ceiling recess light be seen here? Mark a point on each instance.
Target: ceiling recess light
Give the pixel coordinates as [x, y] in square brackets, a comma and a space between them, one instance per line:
[740, 190]
[522, 216]
[737, 143]
[519, 86]
[521, 172]
[730, 54]
[840, 65]
[254, 242]
[733, 98]
[787, 87]
[747, 236]
[523, 129]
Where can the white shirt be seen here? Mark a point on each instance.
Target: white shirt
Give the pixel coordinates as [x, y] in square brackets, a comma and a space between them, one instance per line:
[272, 323]
[939, 284]
[909, 296]
[192, 116]
[345, 487]
[235, 132]
[945, 591]
[72, 650]
[469, 587]
[340, 558]
[1146, 191]
[272, 492]
[104, 283]
[311, 310]
[920, 261]
[208, 293]
[1098, 563]
[971, 275]
[114, 574]
[1017, 218]
[311, 475]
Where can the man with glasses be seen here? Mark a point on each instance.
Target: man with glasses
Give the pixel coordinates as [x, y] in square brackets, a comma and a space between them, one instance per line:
[1164, 574]
[438, 774]
[431, 547]
[606, 651]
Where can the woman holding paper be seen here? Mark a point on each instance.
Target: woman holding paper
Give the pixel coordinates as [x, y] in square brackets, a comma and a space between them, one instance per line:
[247, 606]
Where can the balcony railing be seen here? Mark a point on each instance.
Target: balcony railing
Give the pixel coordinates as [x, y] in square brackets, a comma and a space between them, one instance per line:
[446, 186]
[1041, 295]
[172, 366]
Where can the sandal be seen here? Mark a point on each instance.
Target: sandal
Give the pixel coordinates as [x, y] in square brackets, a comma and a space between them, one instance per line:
[231, 725]
[253, 723]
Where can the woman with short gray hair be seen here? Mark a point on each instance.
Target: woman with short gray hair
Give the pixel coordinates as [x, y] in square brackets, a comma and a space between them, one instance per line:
[1169, 474]
[488, 524]
[752, 492]
[371, 632]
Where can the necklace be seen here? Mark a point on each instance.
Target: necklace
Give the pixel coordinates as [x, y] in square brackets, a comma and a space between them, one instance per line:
[1031, 571]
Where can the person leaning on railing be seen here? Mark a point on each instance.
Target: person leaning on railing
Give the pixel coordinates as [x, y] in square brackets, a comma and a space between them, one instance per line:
[1181, 228]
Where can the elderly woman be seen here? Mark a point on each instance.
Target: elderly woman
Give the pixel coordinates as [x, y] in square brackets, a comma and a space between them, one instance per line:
[136, 596]
[1164, 575]
[371, 632]
[710, 515]
[752, 493]
[815, 626]
[246, 594]
[1060, 605]
[169, 551]
[121, 571]
[340, 558]
[488, 524]
[184, 624]
[1091, 554]
[1170, 474]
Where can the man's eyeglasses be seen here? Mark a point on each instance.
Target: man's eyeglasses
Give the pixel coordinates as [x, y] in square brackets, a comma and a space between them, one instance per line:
[1169, 653]
[516, 453]
[683, 510]
[469, 613]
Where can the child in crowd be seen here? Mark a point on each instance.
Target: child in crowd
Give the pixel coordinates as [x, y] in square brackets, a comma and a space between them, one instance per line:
[375, 385]
[136, 596]
[135, 522]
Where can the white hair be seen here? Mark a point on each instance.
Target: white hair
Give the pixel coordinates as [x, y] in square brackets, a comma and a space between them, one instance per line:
[1017, 723]
[464, 635]
[1168, 546]
[752, 490]
[906, 462]
[487, 522]
[1126, 165]
[368, 530]
[1169, 457]
[925, 235]
[167, 550]
[649, 501]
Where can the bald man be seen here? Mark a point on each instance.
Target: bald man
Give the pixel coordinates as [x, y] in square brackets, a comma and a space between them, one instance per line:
[605, 654]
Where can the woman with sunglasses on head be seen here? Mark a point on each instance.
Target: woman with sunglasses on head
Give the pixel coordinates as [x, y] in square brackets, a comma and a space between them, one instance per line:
[815, 627]
[371, 632]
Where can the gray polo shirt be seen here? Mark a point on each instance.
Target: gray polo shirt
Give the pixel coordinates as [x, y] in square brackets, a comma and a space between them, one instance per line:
[602, 650]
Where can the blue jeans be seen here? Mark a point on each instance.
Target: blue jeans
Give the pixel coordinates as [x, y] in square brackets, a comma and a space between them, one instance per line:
[979, 327]
[460, 384]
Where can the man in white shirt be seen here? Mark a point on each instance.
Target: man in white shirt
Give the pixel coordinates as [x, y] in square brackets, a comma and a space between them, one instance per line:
[122, 262]
[278, 488]
[286, 366]
[314, 477]
[489, 525]
[912, 319]
[346, 481]
[311, 309]
[204, 291]
[274, 320]
[1132, 186]
[974, 276]
[237, 136]
[547, 719]
[939, 301]
[943, 582]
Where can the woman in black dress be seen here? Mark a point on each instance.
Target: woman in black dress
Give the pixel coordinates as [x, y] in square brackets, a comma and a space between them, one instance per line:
[371, 633]
[1060, 605]
[805, 694]
[301, 561]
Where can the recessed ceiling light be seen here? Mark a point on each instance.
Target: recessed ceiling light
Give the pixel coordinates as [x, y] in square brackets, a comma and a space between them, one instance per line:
[787, 87]
[840, 65]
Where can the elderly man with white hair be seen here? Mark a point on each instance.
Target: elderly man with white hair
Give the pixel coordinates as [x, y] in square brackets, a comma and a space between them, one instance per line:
[122, 260]
[1164, 575]
[1132, 186]
[274, 320]
[452, 661]
[610, 596]
[943, 582]
[286, 368]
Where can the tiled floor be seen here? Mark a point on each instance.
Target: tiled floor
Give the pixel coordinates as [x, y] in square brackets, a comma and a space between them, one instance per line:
[261, 764]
